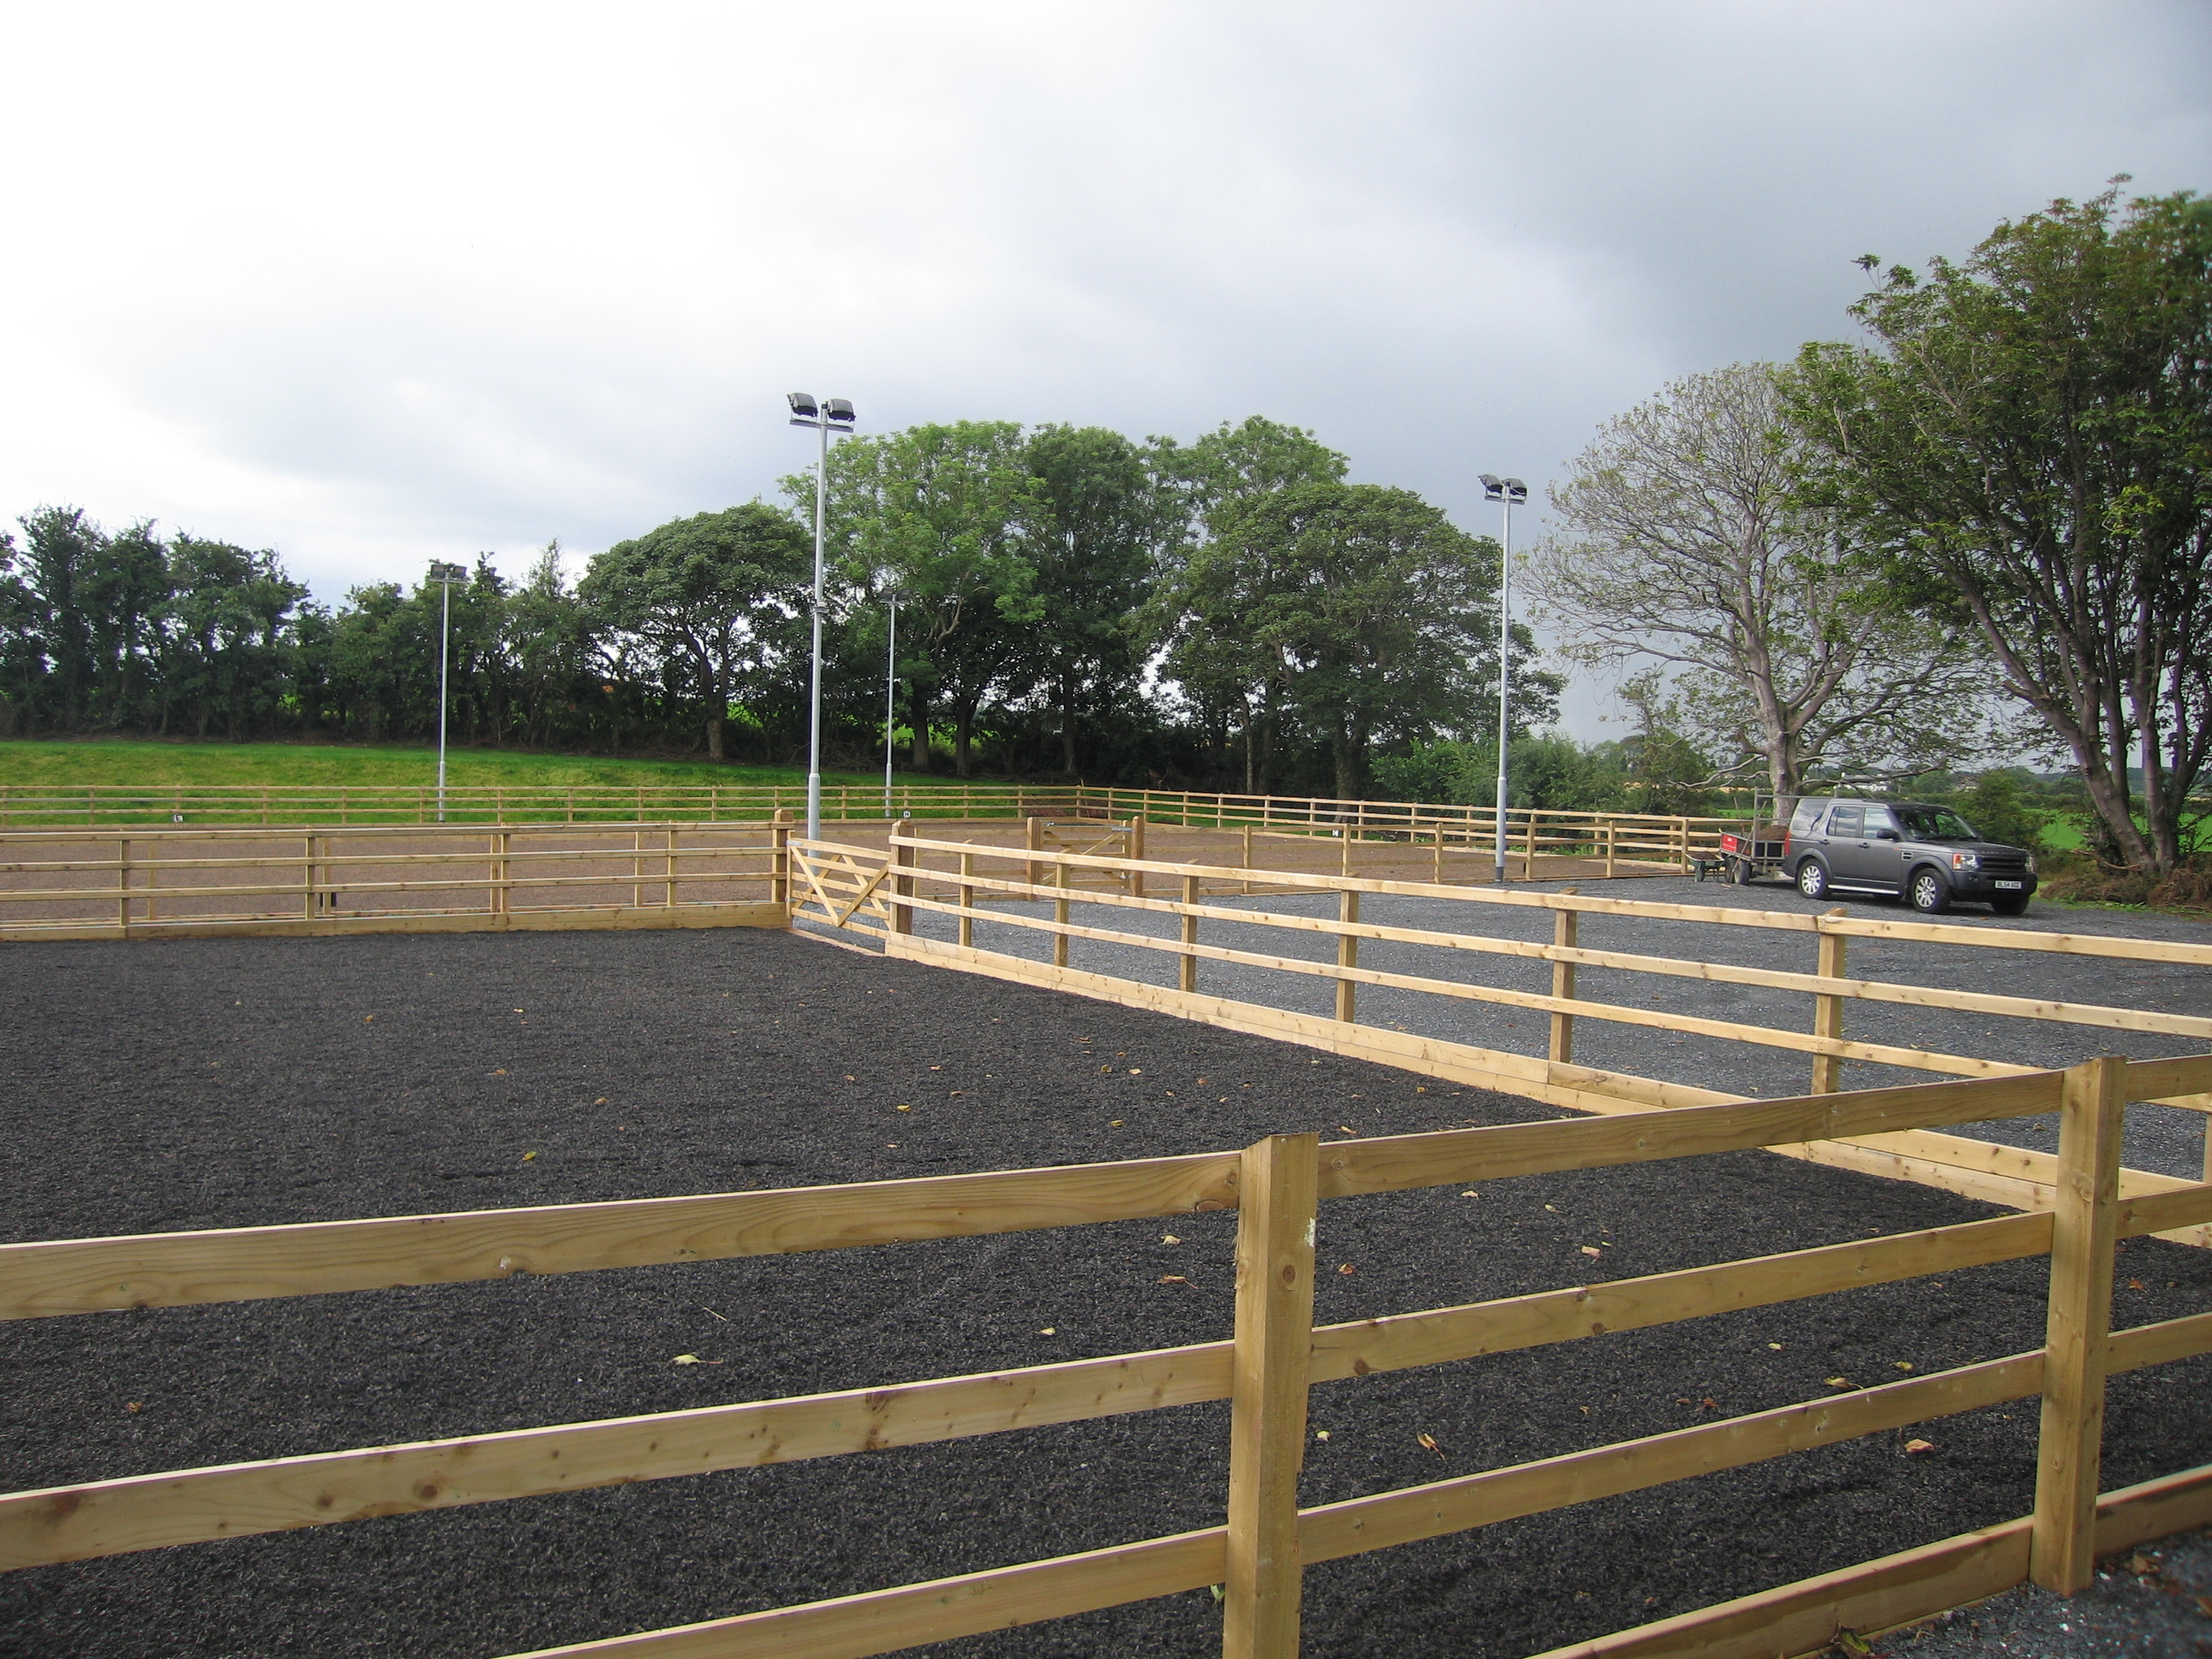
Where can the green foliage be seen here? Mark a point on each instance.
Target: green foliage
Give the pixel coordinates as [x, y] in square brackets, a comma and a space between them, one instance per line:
[2029, 448]
[1998, 806]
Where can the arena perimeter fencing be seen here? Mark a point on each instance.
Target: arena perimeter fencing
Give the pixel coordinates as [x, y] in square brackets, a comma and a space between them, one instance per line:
[882, 892]
[1258, 1554]
[1642, 840]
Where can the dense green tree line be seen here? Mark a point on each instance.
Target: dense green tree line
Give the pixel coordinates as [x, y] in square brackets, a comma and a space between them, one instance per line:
[1069, 603]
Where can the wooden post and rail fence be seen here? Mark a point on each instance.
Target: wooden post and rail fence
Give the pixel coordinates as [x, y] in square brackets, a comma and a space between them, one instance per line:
[1623, 842]
[1265, 1368]
[835, 884]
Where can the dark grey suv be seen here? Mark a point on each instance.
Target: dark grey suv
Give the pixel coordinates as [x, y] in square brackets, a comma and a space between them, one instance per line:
[1929, 854]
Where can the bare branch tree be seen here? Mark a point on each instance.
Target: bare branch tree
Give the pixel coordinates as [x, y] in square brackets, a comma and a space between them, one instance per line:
[1680, 544]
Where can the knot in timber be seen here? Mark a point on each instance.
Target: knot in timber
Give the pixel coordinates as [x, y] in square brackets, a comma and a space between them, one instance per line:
[1290, 1273]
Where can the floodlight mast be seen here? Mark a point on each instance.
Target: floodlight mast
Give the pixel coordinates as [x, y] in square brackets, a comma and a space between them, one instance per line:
[832, 414]
[445, 575]
[1508, 493]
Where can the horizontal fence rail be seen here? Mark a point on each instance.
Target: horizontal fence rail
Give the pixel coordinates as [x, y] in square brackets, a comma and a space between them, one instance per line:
[1621, 843]
[1275, 1356]
[86, 884]
[884, 891]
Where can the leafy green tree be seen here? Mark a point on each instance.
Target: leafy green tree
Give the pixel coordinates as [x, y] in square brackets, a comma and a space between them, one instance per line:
[1094, 525]
[2027, 441]
[1366, 607]
[1680, 541]
[226, 651]
[934, 515]
[692, 596]
[1229, 688]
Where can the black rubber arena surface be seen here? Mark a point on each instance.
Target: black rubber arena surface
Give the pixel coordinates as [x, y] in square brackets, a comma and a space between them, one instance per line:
[224, 1083]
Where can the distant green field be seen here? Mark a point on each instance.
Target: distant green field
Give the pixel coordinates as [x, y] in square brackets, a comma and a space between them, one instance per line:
[211, 765]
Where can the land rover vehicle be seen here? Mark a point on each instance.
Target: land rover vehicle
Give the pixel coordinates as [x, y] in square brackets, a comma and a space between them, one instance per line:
[1929, 854]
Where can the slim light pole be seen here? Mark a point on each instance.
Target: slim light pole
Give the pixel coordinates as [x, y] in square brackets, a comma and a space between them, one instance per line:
[833, 414]
[445, 575]
[1508, 493]
[890, 701]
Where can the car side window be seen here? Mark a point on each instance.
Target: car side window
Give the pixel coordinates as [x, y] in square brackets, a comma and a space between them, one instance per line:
[1843, 820]
[1879, 819]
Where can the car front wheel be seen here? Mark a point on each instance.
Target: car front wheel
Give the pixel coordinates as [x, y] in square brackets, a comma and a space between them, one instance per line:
[1930, 894]
[1812, 879]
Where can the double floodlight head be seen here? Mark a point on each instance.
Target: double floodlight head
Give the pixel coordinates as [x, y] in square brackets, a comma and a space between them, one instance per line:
[442, 571]
[1509, 490]
[835, 413]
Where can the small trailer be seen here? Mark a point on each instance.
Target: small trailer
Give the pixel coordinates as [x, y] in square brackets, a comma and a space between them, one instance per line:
[1749, 851]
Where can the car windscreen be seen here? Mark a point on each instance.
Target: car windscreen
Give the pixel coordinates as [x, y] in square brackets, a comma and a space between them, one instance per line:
[1934, 824]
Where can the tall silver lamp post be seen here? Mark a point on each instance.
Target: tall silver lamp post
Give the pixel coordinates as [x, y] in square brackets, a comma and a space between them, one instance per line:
[832, 414]
[1508, 493]
[890, 700]
[445, 575]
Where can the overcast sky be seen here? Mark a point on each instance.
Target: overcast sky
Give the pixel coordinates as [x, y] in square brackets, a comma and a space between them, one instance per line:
[373, 286]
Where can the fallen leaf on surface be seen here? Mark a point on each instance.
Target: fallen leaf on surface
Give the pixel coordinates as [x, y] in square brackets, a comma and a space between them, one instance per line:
[1467, 1195]
[1346, 1270]
[1050, 1330]
[1114, 1123]
[1169, 1238]
[140, 1405]
[1709, 1404]
[1345, 1129]
[1841, 1382]
[501, 1072]
[1429, 1440]
[902, 1108]
[1904, 1364]
[1136, 1070]
[1553, 1208]
[2137, 1284]
[1321, 1434]
[1592, 1249]
[1173, 1278]
[527, 1156]
[2140, 1564]
[850, 1078]
[685, 1359]
[601, 1101]
[1777, 1347]
[1684, 1400]
[368, 1019]
[1913, 1447]
[1851, 1642]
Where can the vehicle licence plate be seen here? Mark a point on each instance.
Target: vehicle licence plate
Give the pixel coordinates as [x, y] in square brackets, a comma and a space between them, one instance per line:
[2014, 885]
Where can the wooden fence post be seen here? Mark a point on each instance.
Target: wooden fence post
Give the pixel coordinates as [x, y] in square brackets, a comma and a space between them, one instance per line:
[1036, 832]
[1828, 1011]
[1612, 834]
[1439, 852]
[671, 867]
[1247, 854]
[2083, 1212]
[1267, 1400]
[1347, 957]
[1528, 858]
[1564, 927]
[123, 883]
[967, 901]
[1136, 851]
[1061, 872]
[1186, 969]
[902, 889]
[779, 860]
[1344, 840]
